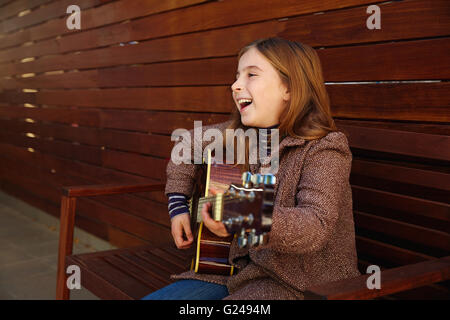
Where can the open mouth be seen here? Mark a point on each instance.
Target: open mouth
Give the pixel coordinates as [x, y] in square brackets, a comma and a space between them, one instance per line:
[244, 103]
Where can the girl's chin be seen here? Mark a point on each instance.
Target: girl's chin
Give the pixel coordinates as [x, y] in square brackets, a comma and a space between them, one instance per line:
[246, 117]
[246, 121]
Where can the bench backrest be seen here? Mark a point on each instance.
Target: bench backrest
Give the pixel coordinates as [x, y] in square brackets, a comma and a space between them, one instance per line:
[401, 182]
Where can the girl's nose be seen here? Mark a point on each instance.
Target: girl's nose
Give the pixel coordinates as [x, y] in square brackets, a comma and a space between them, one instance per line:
[236, 86]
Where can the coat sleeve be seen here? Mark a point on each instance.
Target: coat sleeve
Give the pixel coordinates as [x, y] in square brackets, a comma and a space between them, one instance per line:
[180, 177]
[308, 226]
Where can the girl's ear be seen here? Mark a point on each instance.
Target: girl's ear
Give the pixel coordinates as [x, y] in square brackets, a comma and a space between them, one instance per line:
[286, 94]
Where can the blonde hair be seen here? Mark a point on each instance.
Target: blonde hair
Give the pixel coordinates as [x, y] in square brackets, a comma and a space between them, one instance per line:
[307, 115]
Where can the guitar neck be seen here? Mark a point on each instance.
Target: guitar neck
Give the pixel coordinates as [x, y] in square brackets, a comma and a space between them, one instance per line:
[217, 202]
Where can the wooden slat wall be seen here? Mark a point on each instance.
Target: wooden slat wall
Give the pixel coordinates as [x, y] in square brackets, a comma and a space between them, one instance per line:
[98, 105]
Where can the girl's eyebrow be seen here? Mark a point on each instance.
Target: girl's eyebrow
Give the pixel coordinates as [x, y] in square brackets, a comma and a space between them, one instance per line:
[249, 67]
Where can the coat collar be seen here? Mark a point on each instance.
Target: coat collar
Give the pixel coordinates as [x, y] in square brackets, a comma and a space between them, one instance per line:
[290, 142]
[287, 142]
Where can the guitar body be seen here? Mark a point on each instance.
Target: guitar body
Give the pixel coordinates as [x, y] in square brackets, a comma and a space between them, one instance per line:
[212, 251]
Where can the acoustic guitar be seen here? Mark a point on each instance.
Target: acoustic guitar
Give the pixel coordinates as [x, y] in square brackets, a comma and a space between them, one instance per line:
[244, 203]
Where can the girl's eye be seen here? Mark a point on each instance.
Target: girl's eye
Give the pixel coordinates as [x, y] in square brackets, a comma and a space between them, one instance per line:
[250, 75]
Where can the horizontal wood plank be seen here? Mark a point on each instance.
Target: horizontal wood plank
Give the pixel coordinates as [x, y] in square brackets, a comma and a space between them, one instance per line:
[39, 15]
[135, 271]
[66, 172]
[430, 20]
[399, 142]
[189, 98]
[423, 177]
[145, 121]
[394, 280]
[151, 167]
[409, 60]
[54, 15]
[213, 15]
[317, 30]
[389, 200]
[414, 102]
[402, 230]
[385, 254]
[429, 128]
[189, 46]
[150, 144]
[13, 8]
[109, 189]
[116, 277]
[94, 210]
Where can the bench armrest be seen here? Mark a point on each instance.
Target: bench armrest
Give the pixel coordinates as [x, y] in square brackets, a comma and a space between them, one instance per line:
[67, 220]
[392, 281]
[106, 189]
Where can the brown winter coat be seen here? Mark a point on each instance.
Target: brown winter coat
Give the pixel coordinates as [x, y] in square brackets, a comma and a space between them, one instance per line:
[312, 240]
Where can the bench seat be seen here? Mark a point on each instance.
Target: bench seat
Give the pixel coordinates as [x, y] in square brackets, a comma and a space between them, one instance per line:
[129, 273]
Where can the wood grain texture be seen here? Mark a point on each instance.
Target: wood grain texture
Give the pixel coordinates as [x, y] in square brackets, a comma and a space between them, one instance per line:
[107, 98]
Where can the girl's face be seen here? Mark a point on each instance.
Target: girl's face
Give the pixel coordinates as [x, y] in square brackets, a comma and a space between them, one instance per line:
[258, 82]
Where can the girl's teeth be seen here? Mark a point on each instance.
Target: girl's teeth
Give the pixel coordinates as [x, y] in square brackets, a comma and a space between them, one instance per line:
[244, 102]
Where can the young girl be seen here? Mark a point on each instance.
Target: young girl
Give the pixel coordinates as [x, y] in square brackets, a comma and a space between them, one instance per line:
[312, 238]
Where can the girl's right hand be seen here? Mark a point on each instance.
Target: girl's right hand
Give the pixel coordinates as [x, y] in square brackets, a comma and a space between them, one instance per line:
[182, 224]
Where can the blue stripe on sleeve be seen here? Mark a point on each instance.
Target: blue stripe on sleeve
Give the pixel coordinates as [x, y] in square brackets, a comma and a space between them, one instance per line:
[177, 204]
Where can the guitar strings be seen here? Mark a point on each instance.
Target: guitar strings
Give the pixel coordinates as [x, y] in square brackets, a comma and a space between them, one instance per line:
[226, 199]
[215, 199]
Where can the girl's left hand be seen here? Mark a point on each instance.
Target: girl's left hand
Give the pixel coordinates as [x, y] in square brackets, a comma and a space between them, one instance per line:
[216, 227]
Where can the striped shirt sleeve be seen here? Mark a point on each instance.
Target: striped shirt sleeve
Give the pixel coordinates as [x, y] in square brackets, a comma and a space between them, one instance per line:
[177, 204]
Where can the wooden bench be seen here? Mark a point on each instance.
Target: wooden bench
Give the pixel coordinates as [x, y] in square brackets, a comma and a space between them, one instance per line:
[120, 273]
[400, 182]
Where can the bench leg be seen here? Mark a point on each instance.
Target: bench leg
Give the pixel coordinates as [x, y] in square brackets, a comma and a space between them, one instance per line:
[67, 221]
